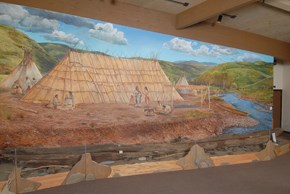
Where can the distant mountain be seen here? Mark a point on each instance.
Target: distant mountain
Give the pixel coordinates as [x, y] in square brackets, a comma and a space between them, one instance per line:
[58, 51]
[196, 62]
[190, 69]
[252, 80]
[13, 43]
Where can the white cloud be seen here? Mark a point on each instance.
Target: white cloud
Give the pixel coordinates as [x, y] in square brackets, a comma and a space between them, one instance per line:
[106, 32]
[179, 45]
[249, 57]
[210, 50]
[63, 37]
[204, 51]
[18, 17]
[67, 19]
[223, 50]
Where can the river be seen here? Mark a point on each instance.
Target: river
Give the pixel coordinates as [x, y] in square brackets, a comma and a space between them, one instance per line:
[264, 118]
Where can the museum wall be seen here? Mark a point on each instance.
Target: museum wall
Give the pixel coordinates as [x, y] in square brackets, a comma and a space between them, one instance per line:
[281, 80]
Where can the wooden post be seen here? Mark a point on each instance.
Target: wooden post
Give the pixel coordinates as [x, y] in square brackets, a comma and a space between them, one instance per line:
[15, 172]
[172, 87]
[208, 90]
[201, 97]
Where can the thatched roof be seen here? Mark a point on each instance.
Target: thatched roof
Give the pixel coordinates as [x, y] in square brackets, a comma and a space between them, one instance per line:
[26, 68]
[94, 78]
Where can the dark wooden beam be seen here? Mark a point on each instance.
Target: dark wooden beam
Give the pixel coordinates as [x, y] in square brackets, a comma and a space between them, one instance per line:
[207, 10]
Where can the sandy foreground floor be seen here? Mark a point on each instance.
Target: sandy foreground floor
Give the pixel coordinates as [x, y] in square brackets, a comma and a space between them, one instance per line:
[54, 180]
[142, 168]
[24, 124]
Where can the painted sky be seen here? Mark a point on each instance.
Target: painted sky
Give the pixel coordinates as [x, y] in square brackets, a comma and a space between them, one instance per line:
[121, 41]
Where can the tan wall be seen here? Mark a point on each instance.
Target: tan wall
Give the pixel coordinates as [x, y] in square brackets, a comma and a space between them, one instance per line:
[138, 17]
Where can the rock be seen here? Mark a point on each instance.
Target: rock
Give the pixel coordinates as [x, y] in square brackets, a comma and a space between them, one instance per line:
[142, 159]
[16, 184]
[268, 153]
[196, 158]
[51, 170]
[75, 178]
[108, 162]
[87, 169]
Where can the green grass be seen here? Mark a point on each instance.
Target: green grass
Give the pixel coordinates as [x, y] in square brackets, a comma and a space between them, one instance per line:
[13, 43]
[261, 91]
[57, 51]
[196, 114]
[250, 80]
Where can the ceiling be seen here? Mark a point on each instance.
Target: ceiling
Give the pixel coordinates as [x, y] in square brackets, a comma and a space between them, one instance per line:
[261, 19]
[163, 5]
[269, 18]
[260, 25]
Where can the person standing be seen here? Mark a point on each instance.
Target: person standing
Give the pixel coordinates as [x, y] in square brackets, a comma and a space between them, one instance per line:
[146, 95]
[138, 96]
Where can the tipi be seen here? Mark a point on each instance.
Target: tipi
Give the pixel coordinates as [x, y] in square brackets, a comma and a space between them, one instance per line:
[182, 86]
[96, 78]
[26, 70]
[182, 81]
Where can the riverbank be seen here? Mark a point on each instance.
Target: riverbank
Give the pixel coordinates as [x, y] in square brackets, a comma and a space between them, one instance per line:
[254, 110]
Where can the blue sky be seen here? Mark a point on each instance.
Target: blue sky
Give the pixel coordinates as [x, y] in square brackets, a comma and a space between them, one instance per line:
[116, 40]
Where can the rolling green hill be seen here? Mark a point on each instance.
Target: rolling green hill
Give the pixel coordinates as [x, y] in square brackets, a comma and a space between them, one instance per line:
[190, 70]
[57, 51]
[251, 80]
[11, 51]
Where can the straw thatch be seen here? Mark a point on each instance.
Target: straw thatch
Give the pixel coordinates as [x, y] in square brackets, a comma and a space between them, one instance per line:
[95, 78]
[25, 69]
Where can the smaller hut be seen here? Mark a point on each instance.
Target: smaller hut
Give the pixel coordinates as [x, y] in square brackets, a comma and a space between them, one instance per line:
[25, 75]
[182, 86]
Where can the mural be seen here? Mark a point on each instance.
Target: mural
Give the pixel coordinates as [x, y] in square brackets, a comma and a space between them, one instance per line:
[68, 81]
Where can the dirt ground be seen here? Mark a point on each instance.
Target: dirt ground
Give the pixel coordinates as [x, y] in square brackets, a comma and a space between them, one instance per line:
[24, 124]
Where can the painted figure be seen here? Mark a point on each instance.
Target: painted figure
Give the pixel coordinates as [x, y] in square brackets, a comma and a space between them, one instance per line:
[158, 108]
[69, 101]
[132, 101]
[138, 96]
[16, 88]
[146, 96]
[55, 101]
[166, 110]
